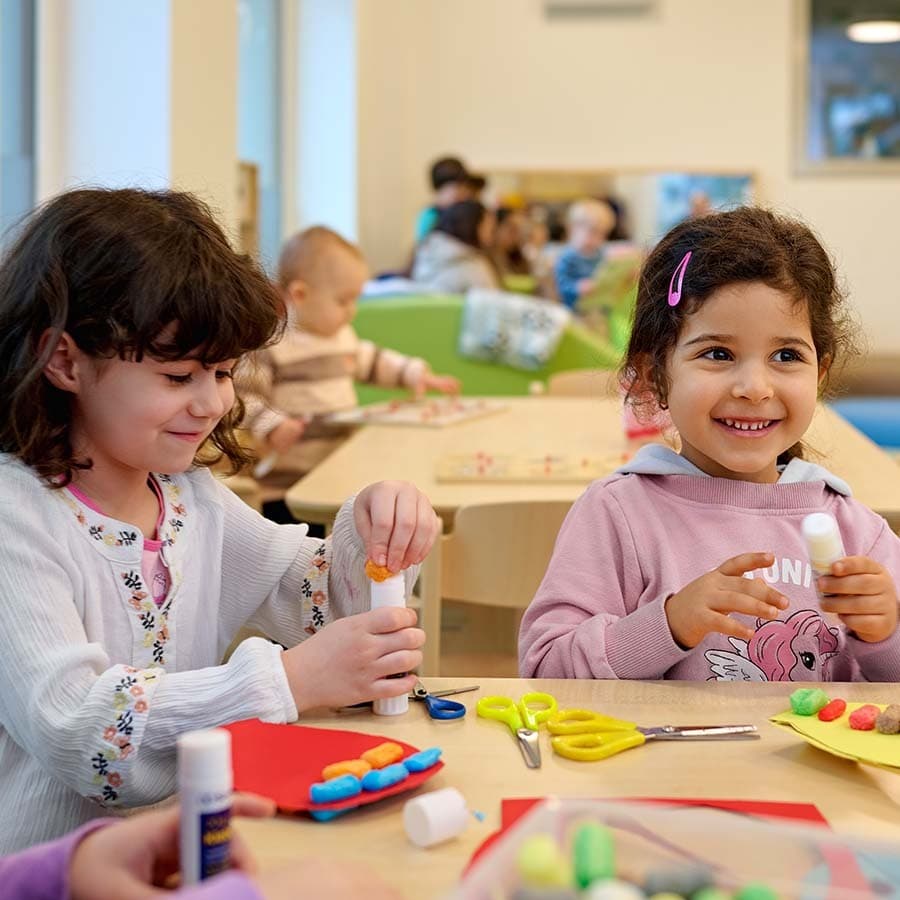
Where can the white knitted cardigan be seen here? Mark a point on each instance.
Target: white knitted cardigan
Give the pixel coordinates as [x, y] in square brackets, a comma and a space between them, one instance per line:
[96, 682]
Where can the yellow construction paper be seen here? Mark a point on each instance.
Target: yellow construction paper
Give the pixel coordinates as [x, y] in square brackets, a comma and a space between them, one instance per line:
[839, 738]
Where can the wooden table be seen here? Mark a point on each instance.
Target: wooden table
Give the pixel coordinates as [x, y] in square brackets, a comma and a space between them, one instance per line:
[536, 426]
[483, 762]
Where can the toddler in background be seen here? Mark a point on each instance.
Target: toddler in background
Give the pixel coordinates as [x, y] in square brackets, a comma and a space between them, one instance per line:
[451, 182]
[311, 371]
[128, 569]
[692, 565]
[589, 222]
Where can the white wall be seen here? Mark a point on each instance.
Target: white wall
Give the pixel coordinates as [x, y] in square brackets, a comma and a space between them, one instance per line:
[704, 85]
[139, 94]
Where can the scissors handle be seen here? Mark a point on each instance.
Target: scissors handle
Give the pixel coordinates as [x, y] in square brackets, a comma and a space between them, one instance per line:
[536, 707]
[443, 709]
[590, 746]
[502, 709]
[585, 721]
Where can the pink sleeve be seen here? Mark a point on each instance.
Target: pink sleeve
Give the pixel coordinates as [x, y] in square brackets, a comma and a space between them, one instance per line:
[585, 621]
[881, 661]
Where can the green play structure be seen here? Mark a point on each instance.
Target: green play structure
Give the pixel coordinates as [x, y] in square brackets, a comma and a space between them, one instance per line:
[428, 326]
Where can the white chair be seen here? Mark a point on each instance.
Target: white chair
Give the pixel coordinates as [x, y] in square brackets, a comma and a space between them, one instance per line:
[496, 555]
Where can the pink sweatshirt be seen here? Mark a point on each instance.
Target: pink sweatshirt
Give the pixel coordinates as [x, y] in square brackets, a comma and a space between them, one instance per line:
[642, 534]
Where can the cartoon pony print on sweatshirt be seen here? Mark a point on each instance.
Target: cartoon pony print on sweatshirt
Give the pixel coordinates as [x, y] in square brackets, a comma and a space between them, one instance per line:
[798, 649]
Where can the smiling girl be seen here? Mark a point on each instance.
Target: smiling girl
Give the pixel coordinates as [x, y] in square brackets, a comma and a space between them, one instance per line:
[691, 564]
[126, 569]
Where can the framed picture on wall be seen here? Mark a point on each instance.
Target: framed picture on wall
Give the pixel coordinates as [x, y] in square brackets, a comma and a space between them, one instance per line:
[847, 115]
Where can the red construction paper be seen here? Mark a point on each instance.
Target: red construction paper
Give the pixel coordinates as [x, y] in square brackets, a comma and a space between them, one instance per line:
[282, 761]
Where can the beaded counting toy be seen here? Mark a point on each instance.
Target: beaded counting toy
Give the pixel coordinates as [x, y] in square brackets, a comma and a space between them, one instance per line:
[547, 872]
[869, 717]
[377, 769]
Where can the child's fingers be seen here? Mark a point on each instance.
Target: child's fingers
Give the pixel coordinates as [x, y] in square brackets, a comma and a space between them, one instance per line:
[852, 584]
[379, 523]
[253, 806]
[856, 604]
[427, 529]
[391, 687]
[865, 625]
[856, 565]
[407, 639]
[746, 562]
[400, 661]
[759, 589]
[726, 625]
[386, 619]
[740, 602]
[405, 510]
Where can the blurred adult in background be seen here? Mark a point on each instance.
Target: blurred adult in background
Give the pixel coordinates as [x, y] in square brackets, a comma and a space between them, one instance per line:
[454, 256]
[451, 182]
[590, 222]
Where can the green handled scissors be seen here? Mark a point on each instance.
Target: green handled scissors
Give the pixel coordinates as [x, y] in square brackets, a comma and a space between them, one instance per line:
[584, 735]
[523, 719]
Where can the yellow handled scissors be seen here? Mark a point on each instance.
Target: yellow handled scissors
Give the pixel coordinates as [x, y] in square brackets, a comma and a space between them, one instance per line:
[584, 735]
[523, 718]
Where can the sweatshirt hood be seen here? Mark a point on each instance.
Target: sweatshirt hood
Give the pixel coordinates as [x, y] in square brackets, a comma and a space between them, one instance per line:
[657, 459]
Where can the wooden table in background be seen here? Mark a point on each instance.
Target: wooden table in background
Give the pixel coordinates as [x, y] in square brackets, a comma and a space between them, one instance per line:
[483, 762]
[537, 426]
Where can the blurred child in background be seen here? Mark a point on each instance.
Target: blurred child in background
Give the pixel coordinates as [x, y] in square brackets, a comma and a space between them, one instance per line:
[590, 222]
[311, 371]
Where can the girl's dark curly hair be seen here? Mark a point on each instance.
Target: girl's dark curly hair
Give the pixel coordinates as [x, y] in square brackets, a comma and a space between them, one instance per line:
[125, 273]
[741, 245]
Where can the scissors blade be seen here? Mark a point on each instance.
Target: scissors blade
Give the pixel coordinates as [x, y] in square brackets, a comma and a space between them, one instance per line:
[462, 690]
[531, 749]
[700, 732]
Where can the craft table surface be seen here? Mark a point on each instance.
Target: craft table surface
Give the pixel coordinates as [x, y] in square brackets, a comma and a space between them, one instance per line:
[483, 762]
[536, 426]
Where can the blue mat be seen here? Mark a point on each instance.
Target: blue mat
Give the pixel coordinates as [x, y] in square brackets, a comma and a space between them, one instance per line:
[876, 417]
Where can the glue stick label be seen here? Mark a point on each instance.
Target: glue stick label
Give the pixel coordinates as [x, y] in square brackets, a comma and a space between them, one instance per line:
[215, 842]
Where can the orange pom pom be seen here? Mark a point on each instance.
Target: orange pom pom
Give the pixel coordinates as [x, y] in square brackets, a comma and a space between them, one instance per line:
[377, 573]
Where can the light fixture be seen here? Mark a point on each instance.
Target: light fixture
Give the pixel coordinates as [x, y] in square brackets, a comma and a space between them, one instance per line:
[874, 31]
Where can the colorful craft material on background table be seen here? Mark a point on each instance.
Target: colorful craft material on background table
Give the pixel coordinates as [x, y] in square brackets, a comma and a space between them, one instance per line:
[562, 467]
[436, 412]
[282, 762]
[835, 734]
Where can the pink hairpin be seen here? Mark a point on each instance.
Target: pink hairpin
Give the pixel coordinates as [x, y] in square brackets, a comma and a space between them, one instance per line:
[675, 292]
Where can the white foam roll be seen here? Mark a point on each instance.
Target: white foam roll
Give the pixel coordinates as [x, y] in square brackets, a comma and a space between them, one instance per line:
[435, 817]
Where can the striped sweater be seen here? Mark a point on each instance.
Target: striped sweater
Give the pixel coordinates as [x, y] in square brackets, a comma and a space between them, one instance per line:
[306, 374]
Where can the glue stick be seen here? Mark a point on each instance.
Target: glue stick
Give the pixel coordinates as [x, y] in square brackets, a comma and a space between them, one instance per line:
[204, 788]
[390, 592]
[823, 541]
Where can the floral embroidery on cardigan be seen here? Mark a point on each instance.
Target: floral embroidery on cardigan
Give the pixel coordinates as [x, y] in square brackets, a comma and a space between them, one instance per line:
[314, 590]
[152, 621]
[128, 703]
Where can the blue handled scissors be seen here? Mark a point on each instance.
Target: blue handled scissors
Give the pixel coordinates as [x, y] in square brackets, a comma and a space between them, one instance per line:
[523, 718]
[437, 707]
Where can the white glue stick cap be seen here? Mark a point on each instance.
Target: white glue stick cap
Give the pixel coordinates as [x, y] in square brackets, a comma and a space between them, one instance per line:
[390, 592]
[391, 706]
[204, 756]
[823, 539]
[435, 817]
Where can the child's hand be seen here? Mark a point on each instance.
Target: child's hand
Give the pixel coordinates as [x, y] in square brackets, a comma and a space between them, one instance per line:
[704, 605]
[443, 384]
[283, 436]
[585, 286]
[866, 600]
[397, 524]
[350, 659]
[125, 860]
